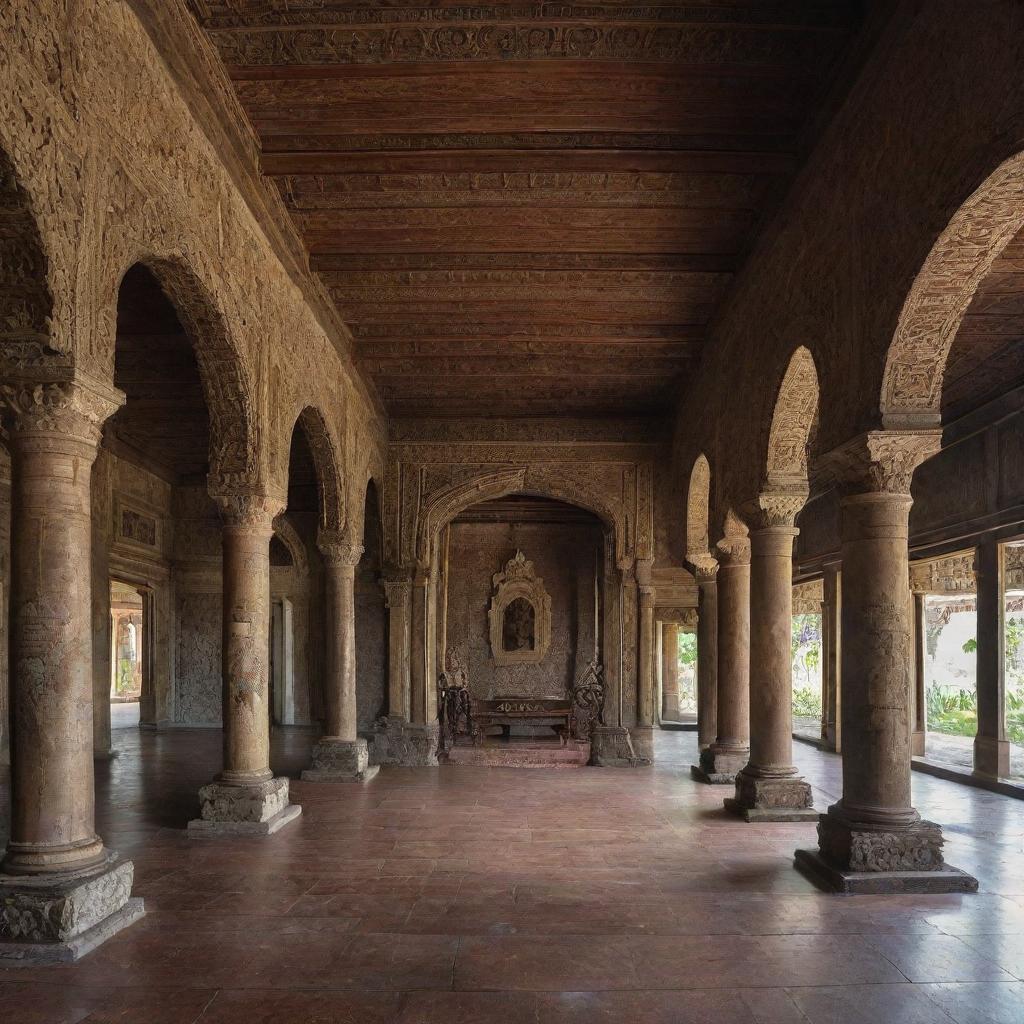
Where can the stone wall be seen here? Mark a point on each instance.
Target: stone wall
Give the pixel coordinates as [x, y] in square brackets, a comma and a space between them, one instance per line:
[371, 649]
[564, 557]
[910, 142]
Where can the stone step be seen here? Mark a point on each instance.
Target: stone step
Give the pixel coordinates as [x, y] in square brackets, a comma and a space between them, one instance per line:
[521, 755]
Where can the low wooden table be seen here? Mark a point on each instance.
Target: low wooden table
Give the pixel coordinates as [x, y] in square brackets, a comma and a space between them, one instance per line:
[509, 711]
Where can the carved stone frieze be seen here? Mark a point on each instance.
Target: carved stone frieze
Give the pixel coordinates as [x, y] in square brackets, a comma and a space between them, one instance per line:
[953, 574]
[807, 597]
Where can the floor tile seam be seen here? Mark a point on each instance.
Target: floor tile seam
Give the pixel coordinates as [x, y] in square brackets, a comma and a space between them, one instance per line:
[209, 1003]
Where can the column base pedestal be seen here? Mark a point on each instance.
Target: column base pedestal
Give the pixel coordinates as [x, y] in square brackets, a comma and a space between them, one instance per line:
[857, 857]
[642, 738]
[759, 798]
[719, 767]
[813, 866]
[399, 742]
[611, 746]
[257, 810]
[341, 761]
[991, 756]
[58, 919]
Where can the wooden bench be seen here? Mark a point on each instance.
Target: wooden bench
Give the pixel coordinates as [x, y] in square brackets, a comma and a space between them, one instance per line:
[509, 711]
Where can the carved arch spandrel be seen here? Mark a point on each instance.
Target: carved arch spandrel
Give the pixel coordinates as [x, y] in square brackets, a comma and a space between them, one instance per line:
[698, 498]
[26, 303]
[941, 293]
[793, 425]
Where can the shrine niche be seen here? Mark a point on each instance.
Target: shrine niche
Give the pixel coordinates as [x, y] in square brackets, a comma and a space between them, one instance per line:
[520, 615]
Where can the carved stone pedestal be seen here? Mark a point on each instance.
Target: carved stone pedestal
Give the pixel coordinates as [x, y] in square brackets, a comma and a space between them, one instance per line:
[337, 760]
[719, 767]
[854, 858]
[643, 743]
[766, 798]
[611, 746]
[401, 743]
[243, 810]
[52, 919]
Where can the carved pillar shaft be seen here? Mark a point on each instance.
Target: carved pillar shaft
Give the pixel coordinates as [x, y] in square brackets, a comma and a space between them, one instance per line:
[874, 828]
[768, 788]
[246, 647]
[422, 647]
[991, 749]
[670, 672]
[341, 721]
[728, 754]
[399, 599]
[831, 643]
[920, 717]
[707, 657]
[645, 680]
[246, 799]
[771, 632]
[52, 812]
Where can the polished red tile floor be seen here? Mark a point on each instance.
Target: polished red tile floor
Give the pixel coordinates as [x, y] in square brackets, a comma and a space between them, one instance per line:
[463, 896]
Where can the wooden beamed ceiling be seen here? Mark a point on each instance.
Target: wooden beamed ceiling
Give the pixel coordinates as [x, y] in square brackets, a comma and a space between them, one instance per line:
[529, 208]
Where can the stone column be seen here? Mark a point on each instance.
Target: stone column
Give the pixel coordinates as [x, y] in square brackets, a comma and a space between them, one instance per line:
[643, 733]
[61, 891]
[423, 731]
[102, 666]
[768, 788]
[340, 755]
[246, 798]
[720, 762]
[873, 840]
[991, 749]
[919, 730]
[707, 653]
[831, 643]
[398, 595]
[670, 671]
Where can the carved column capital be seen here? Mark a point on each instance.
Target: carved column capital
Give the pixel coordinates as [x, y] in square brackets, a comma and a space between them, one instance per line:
[339, 552]
[248, 511]
[733, 550]
[778, 509]
[881, 461]
[644, 573]
[48, 414]
[705, 569]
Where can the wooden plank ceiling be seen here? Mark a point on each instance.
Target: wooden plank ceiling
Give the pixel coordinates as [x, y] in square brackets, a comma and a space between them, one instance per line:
[528, 208]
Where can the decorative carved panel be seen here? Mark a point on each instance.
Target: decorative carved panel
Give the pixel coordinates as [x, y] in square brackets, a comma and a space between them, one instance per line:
[953, 574]
[520, 615]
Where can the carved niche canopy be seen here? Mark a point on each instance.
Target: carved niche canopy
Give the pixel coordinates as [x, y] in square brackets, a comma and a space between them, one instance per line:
[520, 615]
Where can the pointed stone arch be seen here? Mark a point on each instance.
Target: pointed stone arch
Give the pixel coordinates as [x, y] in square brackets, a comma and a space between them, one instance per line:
[793, 425]
[326, 461]
[441, 507]
[942, 291]
[231, 398]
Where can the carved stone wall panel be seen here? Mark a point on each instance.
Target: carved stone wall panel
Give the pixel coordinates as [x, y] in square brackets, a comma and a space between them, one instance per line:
[953, 574]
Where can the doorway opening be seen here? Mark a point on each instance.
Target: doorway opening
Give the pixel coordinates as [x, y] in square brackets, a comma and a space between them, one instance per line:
[128, 669]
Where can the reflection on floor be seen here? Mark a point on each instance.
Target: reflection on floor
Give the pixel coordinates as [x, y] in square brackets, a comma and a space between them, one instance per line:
[124, 716]
[463, 895]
